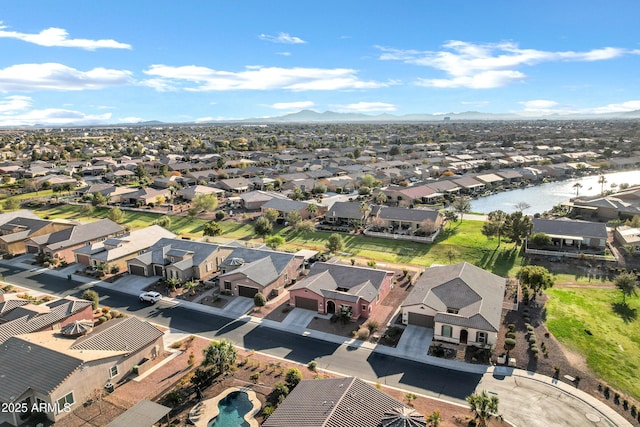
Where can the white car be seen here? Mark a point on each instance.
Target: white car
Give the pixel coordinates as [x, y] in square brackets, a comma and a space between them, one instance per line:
[152, 297]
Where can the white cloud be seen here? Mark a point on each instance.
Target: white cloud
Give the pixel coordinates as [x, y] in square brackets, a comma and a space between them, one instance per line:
[53, 76]
[196, 78]
[204, 120]
[132, 119]
[487, 65]
[59, 37]
[365, 107]
[52, 116]
[546, 107]
[14, 103]
[283, 53]
[298, 105]
[284, 38]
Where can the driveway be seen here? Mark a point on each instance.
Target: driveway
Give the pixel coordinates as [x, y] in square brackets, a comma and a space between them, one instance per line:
[238, 306]
[298, 318]
[415, 341]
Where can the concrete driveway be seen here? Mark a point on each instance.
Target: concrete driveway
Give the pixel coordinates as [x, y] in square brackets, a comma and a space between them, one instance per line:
[415, 341]
[238, 306]
[298, 319]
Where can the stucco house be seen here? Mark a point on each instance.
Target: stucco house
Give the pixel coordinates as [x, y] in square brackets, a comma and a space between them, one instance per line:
[16, 230]
[628, 237]
[245, 271]
[406, 220]
[179, 259]
[50, 368]
[328, 287]
[116, 251]
[461, 302]
[61, 244]
[570, 236]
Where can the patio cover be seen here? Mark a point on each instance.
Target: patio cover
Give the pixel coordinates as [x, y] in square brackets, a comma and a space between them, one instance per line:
[143, 414]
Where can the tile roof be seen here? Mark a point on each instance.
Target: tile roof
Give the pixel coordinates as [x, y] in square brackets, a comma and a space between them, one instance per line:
[78, 234]
[127, 334]
[25, 365]
[476, 294]
[335, 402]
[157, 254]
[260, 265]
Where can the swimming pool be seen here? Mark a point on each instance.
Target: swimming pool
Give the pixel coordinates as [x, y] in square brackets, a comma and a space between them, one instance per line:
[232, 410]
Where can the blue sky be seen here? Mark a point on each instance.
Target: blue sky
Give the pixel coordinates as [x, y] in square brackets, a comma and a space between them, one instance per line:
[128, 61]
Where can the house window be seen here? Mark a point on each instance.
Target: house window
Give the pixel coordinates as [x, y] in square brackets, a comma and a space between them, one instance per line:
[209, 266]
[66, 400]
[481, 337]
[364, 307]
[452, 310]
[446, 331]
[113, 371]
[227, 285]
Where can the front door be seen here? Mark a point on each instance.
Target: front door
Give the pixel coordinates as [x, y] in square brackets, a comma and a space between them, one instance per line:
[464, 335]
[331, 307]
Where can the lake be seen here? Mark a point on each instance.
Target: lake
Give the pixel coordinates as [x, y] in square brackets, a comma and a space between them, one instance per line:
[545, 196]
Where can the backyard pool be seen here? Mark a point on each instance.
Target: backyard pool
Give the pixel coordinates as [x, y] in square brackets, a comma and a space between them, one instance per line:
[232, 410]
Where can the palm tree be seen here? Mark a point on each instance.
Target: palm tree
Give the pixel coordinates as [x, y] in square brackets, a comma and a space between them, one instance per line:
[627, 284]
[602, 180]
[312, 209]
[221, 355]
[381, 198]
[577, 186]
[484, 407]
[434, 419]
[364, 208]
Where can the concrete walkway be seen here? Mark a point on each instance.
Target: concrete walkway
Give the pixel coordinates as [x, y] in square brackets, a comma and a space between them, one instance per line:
[521, 387]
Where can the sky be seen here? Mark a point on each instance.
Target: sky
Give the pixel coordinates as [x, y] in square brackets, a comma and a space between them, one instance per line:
[103, 62]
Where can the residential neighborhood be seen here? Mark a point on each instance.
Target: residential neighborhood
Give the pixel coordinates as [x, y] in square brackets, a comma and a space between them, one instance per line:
[356, 236]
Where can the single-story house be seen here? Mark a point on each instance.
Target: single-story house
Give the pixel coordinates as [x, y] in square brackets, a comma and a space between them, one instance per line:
[286, 206]
[461, 302]
[342, 402]
[328, 287]
[63, 372]
[399, 219]
[569, 235]
[189, 193]
[628, 237]
[61, 244]
[179, 259]
[246, 271]
[344, 213]
[114, 252]
[16, 227]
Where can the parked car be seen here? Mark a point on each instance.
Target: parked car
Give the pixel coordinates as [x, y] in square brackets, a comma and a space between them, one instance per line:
[152, 297]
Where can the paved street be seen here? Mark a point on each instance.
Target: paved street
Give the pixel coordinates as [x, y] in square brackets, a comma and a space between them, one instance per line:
[525, 400]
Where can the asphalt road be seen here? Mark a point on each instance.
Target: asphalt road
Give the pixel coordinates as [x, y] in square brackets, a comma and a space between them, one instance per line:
[396, 372]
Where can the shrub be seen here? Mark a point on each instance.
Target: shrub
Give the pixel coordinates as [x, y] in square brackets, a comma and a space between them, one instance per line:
[530, 327]
[91, 295]
[313, 365]
[255, 376]
[511, 327]
[510, 342]
[373, 325]
[268, 410]
[511, 335]
[533, 339]
[174, 398]
[534, 349]
[280, 389]
[102, 319]
[292, 377]
[363, 333]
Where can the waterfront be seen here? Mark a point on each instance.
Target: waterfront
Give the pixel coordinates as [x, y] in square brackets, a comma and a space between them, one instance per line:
[543, 197]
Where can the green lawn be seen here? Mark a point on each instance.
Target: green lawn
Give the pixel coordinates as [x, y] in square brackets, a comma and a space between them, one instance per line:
[571, 311]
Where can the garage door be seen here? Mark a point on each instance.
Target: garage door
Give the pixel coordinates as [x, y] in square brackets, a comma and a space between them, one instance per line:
[307, 303]
[83, 259]
[33, 249]
[246, 291]
[137, 270]
[420, 320]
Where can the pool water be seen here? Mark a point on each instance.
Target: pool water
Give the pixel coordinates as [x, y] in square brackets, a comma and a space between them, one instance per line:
[232, 409]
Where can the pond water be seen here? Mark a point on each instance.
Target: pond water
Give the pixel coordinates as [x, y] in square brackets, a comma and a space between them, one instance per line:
[233, 408]
[543, 197]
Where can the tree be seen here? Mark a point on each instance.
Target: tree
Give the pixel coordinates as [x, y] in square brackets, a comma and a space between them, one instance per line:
[312, 209]
[380, 198]
[367, 180]
[263, 226]
[602, 180]
[294, 217]
[535, 277]
[521, 206]
[540, 240]
[450, 216]
[141, 172]
[292, 378]
[163, 221]
[271, 214]
[305, 226]
[274, 241]
[335, 243]
[91, 295]
[116, 215]
[494, 225]
[461, 205]
[11, 204]
[434, 419]
[259, 300]
[212, 228]
[627, 284]
[577, 186]
[220, 355]
[484, 407]
[364, 210]
[205, 202]
[517, 227]
[191, 286]
[99, 199]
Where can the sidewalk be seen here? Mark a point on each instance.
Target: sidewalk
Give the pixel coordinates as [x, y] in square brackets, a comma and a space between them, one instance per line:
[134, 284]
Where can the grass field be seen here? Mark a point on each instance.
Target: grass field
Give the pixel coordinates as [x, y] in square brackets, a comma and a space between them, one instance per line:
[613, 351]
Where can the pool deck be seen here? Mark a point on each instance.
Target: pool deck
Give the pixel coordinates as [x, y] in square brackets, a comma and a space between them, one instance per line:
[207, 410]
